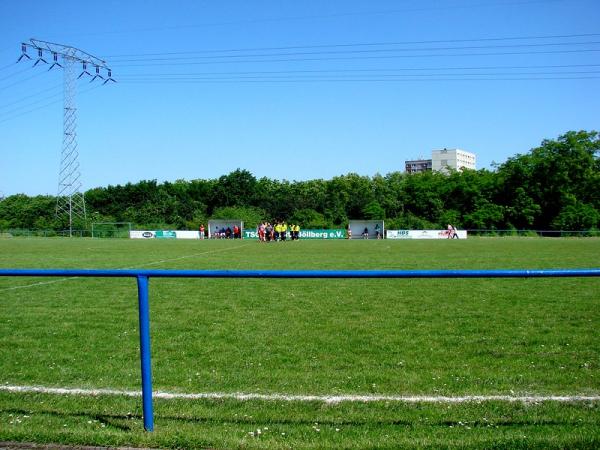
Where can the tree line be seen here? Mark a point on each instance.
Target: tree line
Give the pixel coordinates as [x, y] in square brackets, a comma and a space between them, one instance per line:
[554, 186]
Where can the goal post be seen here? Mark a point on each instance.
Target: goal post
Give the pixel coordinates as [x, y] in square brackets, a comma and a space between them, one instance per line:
[111, 229]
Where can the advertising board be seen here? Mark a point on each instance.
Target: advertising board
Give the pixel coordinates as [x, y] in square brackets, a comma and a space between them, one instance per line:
[306, 234]
[424, 234]
[163, 234]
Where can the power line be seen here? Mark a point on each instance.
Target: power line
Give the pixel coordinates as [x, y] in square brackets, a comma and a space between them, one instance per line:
[21, 81]
[366, 51]
[14, 74]
[374, 80]
[351, 80]
[54, 102]
[362, 51]
[35, 102]
[323, 16]
[30, 96]
[363, 44]
[363, 57]
[309, 76]
[401, 69]
[8, 66]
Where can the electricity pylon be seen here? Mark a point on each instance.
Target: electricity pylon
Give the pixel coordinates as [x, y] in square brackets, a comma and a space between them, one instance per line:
[70, 200]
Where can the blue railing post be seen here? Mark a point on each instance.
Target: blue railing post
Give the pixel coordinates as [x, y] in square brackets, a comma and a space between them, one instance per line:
[144, 312]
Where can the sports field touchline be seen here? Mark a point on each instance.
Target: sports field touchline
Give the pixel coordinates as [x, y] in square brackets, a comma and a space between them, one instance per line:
[153, 263]
[307, 397]
[189, 256]
[41, 283]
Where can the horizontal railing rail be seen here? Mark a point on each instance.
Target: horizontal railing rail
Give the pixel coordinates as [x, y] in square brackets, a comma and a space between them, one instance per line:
[143, 276]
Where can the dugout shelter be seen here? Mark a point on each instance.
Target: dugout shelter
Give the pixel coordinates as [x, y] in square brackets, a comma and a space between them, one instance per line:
[218, 224]
[358, 227]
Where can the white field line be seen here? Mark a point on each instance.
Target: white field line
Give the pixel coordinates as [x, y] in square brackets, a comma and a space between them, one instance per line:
[188, 256]
[41, 283]
[153, 263]
[307, 398]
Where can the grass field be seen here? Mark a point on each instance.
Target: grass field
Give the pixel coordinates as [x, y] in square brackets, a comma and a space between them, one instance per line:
[452, 337]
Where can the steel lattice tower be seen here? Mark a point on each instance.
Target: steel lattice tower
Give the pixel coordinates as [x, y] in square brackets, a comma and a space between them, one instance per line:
[70, 201]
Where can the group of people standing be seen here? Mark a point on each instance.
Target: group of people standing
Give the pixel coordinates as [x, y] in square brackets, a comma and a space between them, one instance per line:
[221, 233]
[268, 232]
[228, 233]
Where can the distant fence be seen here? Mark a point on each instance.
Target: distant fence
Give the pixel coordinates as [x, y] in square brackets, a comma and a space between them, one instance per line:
[533, 233]
[144, 307]
[24, 232]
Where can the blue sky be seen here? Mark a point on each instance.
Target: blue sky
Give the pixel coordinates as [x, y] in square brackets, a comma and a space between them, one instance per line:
[293, 90]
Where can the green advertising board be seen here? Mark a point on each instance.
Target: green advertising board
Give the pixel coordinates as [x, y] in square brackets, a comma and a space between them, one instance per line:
[306, 234]
[161, 234]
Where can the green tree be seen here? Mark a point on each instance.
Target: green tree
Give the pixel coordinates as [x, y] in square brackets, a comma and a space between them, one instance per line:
[422, 196]
[21, 211]
[409, 221]
[577, 216]
[251, 216]
[486, 216]
[555, 185]
[373, 211]
[309, 218]
[523, 211]
[236, 188]
[551, 175]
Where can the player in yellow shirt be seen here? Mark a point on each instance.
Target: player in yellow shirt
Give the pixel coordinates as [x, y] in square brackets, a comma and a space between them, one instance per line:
[277, 232]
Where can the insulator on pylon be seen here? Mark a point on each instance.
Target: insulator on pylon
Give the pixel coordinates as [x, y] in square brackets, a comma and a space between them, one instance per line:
[55, 58]
[23, 52]
[85, 71]
[40, 57]
[97, 74]
[110, 78]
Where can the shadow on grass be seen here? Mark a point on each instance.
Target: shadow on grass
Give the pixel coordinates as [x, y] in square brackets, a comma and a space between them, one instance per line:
[109, 420]
[130, 422]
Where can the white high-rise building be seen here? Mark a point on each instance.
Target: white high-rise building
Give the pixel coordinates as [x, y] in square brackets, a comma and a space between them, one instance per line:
[454, 158]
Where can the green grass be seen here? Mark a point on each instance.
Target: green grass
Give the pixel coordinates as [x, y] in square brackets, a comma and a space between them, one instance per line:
[391, 337]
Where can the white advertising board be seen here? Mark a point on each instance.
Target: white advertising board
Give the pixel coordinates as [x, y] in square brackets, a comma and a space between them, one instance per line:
[424, 234]
[163, 234]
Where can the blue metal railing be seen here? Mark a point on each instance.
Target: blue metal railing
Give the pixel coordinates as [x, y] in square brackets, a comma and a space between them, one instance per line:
[143, 276]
